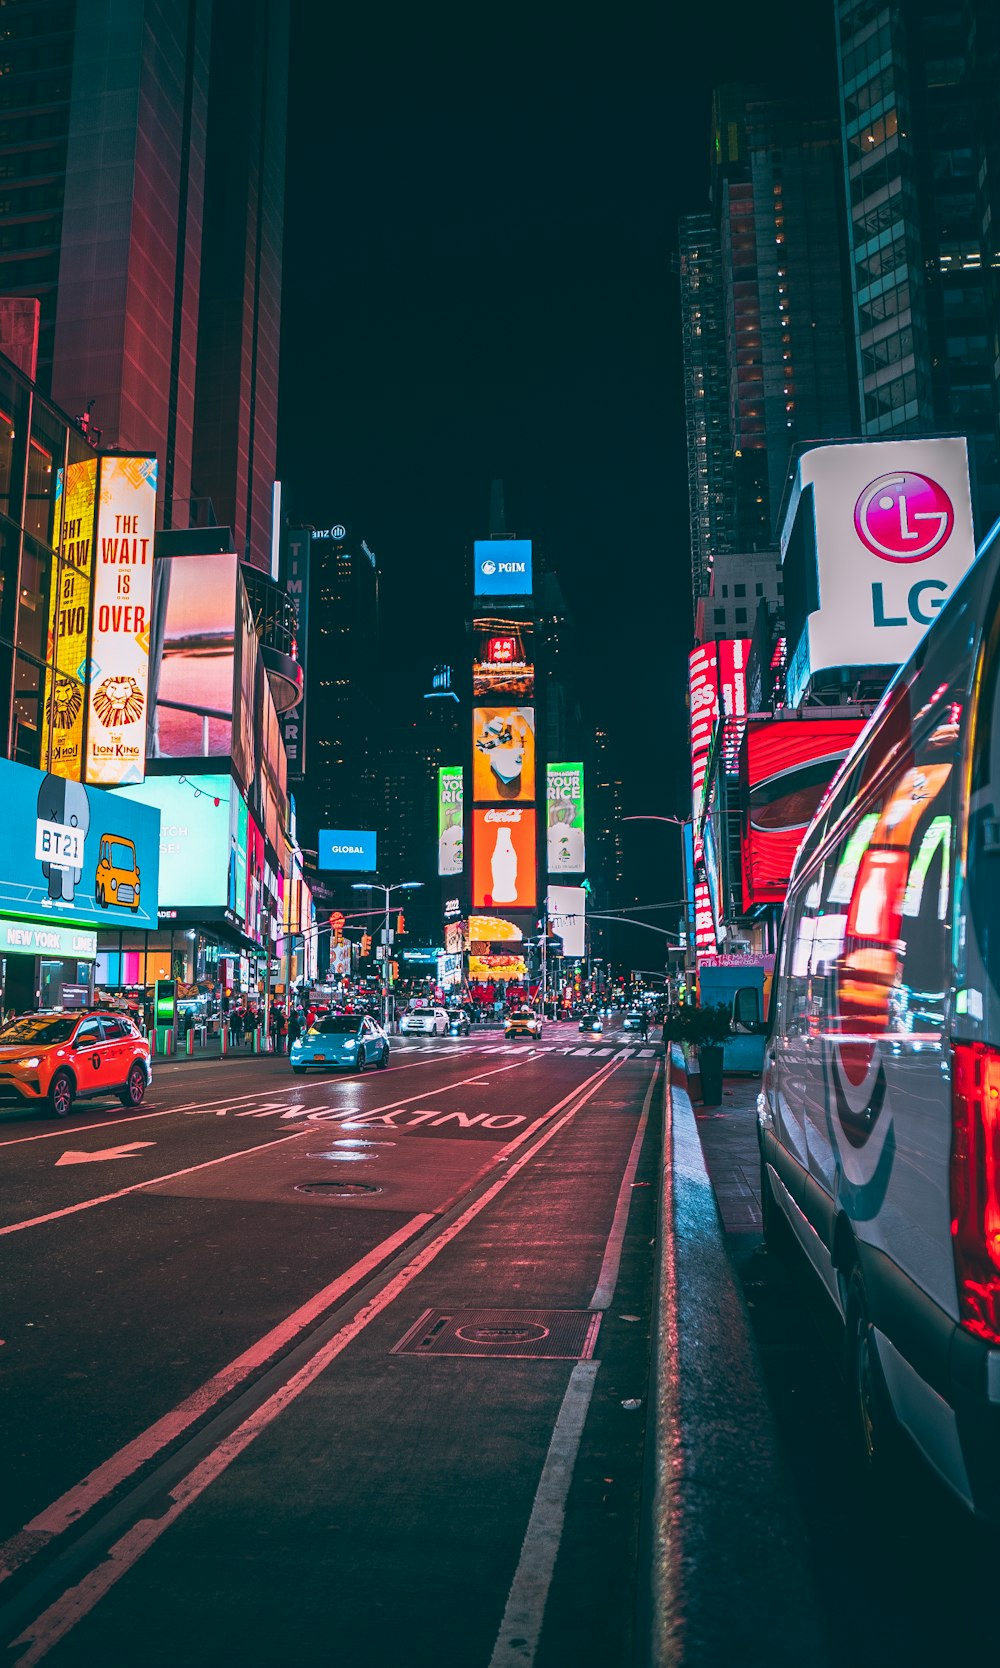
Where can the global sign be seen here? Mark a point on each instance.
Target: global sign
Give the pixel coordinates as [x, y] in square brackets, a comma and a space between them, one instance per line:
[904, 518]
[347, 849]
[502, 567]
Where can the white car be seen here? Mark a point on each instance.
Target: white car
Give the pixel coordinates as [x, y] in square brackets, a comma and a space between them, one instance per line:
[424, 1022]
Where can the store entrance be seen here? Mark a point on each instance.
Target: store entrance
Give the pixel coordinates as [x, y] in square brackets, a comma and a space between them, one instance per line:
[19, 984]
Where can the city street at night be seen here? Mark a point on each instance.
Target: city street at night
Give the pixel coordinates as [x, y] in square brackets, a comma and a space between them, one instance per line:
[228, 1440]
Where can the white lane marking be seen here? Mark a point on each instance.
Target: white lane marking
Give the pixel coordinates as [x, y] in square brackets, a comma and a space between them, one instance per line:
[583, 1051]
[521, 1628]
[607, 1280]
[646, 1053]
[71, 1157]
[106, 1477]
[244, 1152]
[76, 1602]
[599, 1051]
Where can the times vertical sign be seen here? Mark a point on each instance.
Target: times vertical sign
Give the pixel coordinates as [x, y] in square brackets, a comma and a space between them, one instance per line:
[118, 666]
[293, 724]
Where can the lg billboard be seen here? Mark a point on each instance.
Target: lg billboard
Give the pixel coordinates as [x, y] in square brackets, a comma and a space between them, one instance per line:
[876, 537]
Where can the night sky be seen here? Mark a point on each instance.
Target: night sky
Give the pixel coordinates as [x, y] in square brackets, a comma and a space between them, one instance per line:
[480, 216]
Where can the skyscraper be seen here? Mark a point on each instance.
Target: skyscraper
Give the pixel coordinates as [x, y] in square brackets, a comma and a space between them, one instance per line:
[918, 110]
[711, 506]
[150, 232]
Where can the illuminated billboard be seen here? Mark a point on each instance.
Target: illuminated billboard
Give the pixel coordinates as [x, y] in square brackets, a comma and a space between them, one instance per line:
[497, 969]
[347, 849]
[72, 851]
[786, 766]
[566, 908]
[503, 858]
[503, 663]
[194, 695]
[503, 753]
[876, 537]
[703, 705]
[450, 809]
[197, 846]
[69, 621]
[502, 567]
[118, 673]
[733, 654]
[565, 834]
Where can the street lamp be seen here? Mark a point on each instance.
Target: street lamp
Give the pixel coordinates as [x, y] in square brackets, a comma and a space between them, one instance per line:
[377, 886]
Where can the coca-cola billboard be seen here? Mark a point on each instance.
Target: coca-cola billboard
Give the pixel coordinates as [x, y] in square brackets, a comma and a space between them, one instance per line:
[504, 858]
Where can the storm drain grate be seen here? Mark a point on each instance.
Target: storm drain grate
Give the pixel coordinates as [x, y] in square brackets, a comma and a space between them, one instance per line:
[549, 1334]
[338, 1188]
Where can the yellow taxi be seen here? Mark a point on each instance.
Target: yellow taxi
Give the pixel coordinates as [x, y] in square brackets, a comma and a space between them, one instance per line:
[524, 1022]
[57, 1058]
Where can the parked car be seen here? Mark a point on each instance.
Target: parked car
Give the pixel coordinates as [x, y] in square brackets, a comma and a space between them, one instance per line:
[592, 1022]
[524, 1023]
[353, 1041]
[458, 1022]
[56, 1058]
[424, 1022]
[632, 1022]
[879, 1135]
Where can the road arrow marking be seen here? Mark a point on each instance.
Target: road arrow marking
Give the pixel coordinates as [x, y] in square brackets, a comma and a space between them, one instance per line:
[107, 1152]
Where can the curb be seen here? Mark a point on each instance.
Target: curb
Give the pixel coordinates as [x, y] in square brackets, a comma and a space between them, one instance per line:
[728, 1581]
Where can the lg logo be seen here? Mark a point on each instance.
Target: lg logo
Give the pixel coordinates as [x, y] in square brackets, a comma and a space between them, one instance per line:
[905, 518]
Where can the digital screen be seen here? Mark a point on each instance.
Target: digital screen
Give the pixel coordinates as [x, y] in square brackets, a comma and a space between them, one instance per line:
[118, 678]
[498, 969]
[565, 834]
[566, 907]
[503, 753]
[502, 567]
[69, 620]
[451, 795]
[503, 858]
[503, 663]
[347, 849]
[71, 850]
[195, 845]
[194, 694]
[787, 767]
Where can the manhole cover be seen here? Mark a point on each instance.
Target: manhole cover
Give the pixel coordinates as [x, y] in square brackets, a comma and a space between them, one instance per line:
[340, 1188]
[549, 1334]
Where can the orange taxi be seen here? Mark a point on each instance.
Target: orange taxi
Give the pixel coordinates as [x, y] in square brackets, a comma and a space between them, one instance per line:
[57, 1058]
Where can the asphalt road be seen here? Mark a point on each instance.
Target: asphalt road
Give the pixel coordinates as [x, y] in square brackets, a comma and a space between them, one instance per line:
[342, 1368]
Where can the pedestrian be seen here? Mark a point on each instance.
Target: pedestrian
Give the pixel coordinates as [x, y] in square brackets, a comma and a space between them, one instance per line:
[294, 1026]
[644, 1025]
[236, 1026]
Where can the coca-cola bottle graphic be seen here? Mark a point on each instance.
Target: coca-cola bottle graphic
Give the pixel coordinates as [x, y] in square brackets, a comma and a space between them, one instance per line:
[504, 866]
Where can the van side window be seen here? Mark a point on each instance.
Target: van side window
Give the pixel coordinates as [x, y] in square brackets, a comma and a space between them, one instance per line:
[880, 961]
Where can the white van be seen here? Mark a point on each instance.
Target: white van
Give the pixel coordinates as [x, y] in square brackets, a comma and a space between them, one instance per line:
[879, 1112]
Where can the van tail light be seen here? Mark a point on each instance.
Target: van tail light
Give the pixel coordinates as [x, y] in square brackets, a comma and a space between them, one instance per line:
[975, 1185]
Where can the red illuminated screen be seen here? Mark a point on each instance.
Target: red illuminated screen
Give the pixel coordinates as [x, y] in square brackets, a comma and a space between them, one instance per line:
[787, 767]
[503, 858]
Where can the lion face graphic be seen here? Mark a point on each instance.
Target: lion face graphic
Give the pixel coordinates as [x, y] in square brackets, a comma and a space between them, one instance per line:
[65, 703]
[118, 701]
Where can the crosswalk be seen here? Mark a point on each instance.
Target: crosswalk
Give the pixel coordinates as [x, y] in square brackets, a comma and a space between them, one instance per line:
[533, 1048]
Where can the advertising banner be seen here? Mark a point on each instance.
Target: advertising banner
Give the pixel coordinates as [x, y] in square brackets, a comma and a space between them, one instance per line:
[503, 753]
[565, 838]
[503, 858]
[71, 850]
[703, 703]
[785, 768]
[194, 700]
[491, 929]
[298, 544]
[499, 969]
[451, 798]
[197, 846]
[503, 663]
[347, 850]
[567, 907]
[876, 537]
[118, 672]
[502, 567]
[69, 621]
[732, 654]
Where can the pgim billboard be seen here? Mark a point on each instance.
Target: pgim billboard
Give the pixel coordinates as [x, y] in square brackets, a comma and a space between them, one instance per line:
[451, 797]
[118, 670]
[502, 568]
[504, 857]
[876, 536]
[565, 839]
[503, 753]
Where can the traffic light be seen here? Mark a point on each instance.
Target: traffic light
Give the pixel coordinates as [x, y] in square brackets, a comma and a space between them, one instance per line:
[366, 943]
[400, 922]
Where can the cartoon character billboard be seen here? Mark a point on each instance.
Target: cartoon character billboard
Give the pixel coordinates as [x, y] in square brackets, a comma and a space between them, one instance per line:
[503, 753]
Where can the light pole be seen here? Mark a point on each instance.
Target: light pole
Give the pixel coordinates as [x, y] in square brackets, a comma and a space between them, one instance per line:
[690, 963]
[377, 886]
